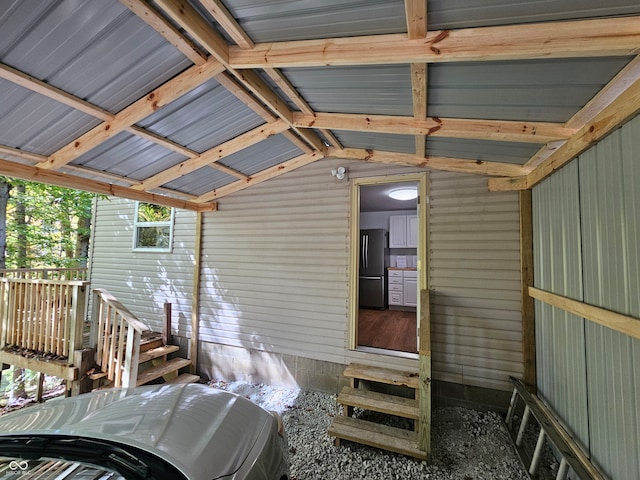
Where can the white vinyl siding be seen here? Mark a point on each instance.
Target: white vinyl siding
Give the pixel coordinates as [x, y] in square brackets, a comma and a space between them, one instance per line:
[275, 272]
[143, 281]
[274, 268]
[474, 276]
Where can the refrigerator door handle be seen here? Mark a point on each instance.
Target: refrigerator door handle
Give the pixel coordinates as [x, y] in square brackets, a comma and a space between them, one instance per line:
[366, 258]
[362, 252]
[370, 278]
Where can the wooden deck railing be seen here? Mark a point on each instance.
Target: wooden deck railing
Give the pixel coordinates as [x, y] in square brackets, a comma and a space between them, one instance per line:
[42, 314]
[116, 334]
[76, 273]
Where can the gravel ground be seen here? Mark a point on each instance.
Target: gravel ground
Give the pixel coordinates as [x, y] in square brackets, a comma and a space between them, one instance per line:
[467, 444]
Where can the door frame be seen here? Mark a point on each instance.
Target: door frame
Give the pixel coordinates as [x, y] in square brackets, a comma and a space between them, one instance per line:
[423, 239]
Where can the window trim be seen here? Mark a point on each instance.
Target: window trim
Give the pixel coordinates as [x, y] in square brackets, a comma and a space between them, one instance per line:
[137, 225]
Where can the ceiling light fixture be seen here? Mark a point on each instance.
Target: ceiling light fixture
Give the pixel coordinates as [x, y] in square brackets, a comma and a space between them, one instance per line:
[404, 193]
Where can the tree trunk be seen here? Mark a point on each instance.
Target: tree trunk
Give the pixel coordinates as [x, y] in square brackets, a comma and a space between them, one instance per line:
[22, 260]
[82, 241]
[5, 190]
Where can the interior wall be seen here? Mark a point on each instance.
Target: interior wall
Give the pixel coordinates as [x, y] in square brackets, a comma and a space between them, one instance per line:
[587, 247]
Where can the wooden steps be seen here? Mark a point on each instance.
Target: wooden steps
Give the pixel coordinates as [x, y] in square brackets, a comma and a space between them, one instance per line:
[389, 376]
[373, 434]
[185, 378]
[162, 369]
[376, 435]
[379, 402]
[157, 352]
[154, 363]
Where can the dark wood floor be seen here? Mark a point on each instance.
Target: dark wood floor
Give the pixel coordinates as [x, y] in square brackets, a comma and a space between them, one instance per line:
[388, 329]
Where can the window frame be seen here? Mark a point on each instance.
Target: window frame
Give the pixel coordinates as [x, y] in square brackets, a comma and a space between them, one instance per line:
[137, 225]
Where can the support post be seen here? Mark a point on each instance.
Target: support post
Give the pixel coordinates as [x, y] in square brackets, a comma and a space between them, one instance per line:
[528, 304]
[166, 330]
[424, 385]
[195, 305]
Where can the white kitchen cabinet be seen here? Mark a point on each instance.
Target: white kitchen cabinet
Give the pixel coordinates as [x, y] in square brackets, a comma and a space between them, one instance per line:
[412, 231]
[403, 231]
[397, 231]
[403, 288]
[410, 288]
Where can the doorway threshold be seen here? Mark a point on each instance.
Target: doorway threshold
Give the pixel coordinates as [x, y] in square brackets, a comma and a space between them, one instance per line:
[384, 351]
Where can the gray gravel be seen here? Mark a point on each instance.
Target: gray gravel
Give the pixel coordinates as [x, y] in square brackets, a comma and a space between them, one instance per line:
[467, 444]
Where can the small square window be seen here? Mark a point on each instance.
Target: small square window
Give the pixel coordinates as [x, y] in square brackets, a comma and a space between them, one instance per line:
[153, 228]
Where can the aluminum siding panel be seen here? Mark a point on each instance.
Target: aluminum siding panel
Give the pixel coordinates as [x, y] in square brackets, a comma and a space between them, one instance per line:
[558, 269]
[143, 281]
[474, 279]
[610, 199]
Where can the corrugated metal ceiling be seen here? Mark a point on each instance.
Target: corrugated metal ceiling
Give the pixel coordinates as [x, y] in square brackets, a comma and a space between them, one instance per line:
[103, 53]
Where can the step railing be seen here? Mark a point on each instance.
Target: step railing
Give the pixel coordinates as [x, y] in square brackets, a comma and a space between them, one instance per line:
[43, 315]
[116, 335]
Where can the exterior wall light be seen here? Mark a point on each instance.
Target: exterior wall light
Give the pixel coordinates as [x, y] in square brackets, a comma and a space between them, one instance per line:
[340, 173]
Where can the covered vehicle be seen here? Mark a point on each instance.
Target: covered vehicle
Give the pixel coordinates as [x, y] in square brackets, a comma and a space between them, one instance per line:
[152, 432]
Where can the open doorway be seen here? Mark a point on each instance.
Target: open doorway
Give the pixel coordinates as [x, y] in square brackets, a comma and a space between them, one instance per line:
[388, 249]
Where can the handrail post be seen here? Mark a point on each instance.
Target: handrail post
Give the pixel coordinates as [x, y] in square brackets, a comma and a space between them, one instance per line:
[130, 371]
[77, 318]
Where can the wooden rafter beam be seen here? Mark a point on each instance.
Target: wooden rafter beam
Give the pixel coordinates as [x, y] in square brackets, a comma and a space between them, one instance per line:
[161, 96]
[145, 12]
[290, 91]
[37, 174]
[15, 152]
[214, 154]
[416, 13]
[38, 86]
[460, 165]
[189, 19]
[228, 23]
[262, 176]
[508, 131]
[580, 38]
[616, 103]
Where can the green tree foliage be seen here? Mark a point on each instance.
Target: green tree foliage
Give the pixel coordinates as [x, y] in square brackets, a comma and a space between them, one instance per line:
[46, 226]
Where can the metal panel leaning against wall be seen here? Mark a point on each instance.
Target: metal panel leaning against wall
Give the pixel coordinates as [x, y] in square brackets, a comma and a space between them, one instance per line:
[143, 281]
[610, 210]
[558, 269]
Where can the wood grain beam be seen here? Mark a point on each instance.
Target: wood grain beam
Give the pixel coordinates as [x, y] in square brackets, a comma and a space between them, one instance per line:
[228, 23]
[617, 112]
[187, 17]
[625, 324]
[147, 14]
[214, 154]
[197, 26]
[262, 176]
[161, 96]
[38, 86]
[37, 174]
[477, 167]
[290, 91]
[16, 152]
[416, 14]
[508, 184]
[580, 38]
[508, 131]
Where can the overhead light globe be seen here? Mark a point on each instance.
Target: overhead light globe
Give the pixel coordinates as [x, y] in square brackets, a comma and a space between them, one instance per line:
[405, 193]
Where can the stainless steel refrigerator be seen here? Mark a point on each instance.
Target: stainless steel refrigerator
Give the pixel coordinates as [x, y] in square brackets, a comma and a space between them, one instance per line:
[373, 281]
